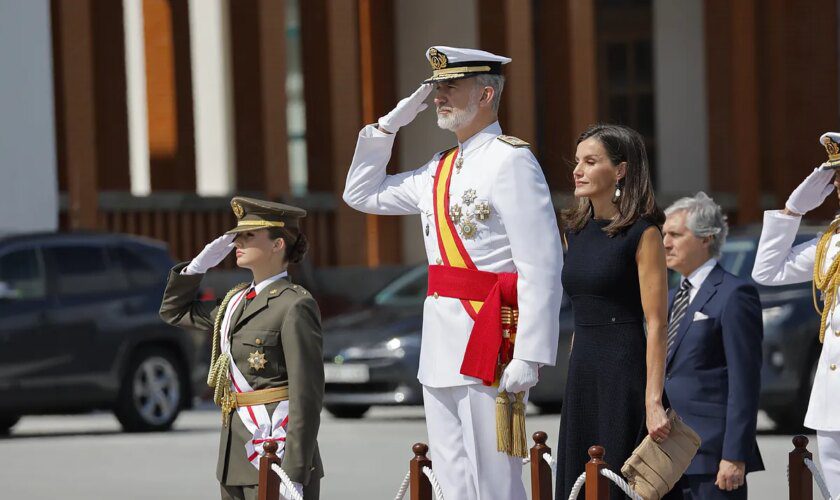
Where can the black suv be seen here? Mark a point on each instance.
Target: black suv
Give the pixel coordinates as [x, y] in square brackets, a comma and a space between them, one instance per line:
[79, 330]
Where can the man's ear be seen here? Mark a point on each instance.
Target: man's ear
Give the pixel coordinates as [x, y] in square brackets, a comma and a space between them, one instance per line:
[487, 96]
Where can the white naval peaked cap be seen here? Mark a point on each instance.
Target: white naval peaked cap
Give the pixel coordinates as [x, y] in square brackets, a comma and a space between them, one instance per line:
[831, 142]
[452, 63]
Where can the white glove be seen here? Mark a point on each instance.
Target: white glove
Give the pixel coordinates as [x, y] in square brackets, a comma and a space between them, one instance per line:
[812, 192]
[286, 494]
[519, 376]
[213, 253]
[406, 110]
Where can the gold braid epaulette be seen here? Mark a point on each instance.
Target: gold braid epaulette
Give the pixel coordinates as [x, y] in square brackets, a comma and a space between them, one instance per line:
[826, 283]
[219, 372]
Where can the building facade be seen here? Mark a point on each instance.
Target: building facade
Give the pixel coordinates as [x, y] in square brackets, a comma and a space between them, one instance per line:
[145, 116]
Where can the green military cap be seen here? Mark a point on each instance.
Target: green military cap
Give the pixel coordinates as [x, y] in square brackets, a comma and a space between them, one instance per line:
[254, 214]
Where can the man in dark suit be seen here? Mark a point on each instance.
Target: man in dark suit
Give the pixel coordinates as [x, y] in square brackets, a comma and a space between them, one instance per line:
[713, 363]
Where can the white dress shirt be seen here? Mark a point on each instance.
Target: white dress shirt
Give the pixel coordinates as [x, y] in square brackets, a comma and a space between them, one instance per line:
[698, 276]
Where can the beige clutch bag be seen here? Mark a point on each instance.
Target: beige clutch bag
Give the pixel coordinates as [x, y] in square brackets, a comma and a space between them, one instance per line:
[654, 468]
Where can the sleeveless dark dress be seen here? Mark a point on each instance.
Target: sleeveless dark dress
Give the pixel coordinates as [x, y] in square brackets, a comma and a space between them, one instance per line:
[605, 388]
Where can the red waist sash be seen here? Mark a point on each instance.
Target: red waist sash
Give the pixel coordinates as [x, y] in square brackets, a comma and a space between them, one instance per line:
[486, 343]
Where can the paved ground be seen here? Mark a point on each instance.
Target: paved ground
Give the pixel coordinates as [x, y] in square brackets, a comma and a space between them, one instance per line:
[87, 457]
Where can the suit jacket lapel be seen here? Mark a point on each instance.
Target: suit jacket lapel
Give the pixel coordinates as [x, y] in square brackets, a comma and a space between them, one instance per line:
[260, 302]
[707, 290]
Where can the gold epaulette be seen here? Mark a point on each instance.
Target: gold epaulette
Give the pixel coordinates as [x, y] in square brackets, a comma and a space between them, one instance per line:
[513, 141]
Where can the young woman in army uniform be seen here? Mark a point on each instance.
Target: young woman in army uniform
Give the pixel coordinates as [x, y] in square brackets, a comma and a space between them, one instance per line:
[267, 365]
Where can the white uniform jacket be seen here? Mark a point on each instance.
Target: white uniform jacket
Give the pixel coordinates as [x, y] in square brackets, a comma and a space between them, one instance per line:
[519, 235]
[778, 262]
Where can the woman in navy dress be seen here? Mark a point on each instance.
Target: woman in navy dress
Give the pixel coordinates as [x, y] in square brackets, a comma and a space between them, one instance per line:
[614, 273]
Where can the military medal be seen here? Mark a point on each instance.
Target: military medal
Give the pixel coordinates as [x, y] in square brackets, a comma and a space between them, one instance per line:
[257, 360]
[458, 164]
[482, 210]
[468, 197]
[455, 213]
[468, 229]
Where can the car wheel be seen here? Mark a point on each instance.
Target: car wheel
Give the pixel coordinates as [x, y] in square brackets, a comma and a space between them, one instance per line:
[348, 411]
[152, 392]
[6, 423]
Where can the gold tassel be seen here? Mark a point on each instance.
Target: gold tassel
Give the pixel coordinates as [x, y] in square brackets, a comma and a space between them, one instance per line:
[503, 443]
[519, 447]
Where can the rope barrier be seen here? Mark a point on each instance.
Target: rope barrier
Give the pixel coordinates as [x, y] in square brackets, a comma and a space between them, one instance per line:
[612, 476]
[435, 485]
[403, 487]
[287, 482]
[818, 477]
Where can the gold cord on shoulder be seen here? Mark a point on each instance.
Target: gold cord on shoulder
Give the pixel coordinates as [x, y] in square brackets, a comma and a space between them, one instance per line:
[217, 377]
[826, 282]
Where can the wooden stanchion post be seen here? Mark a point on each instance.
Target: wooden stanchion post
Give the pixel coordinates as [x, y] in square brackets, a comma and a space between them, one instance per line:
[597, 486]
[269, 485]
[540, 469]
[800, 480]
[420, 487]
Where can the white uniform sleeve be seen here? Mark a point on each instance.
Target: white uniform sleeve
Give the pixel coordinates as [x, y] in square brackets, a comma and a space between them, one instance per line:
[777, 261]
[523, 201]
[369, 189]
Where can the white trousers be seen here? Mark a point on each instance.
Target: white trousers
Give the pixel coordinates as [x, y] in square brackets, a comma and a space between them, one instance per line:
[461, 423]
[828, 447]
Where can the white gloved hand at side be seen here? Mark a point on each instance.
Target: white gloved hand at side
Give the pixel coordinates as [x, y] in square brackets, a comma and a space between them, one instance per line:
[519, 376]
[286, 494]
[213, 253]
[812, 192]
[406, 110]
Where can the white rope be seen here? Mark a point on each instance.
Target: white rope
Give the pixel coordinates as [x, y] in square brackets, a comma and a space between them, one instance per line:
[287, 482]
[403, 486]
[621, 483]
[612, 476]
[435, 485]
[818, 477]
[552, 462]
[577, 486]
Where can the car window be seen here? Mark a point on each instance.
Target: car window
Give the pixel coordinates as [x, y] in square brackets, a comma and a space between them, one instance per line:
[139, 272]
[22, 271]
[82, 270]
[407, 290]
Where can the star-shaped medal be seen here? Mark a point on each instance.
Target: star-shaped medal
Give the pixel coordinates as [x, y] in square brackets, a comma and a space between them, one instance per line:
[257, 360]
[468, 197]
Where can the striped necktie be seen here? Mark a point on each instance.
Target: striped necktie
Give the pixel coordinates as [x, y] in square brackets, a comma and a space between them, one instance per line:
[678, 312]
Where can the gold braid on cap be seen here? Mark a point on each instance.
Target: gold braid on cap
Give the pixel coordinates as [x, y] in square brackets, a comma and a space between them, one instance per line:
[826, 283]
[218, 376]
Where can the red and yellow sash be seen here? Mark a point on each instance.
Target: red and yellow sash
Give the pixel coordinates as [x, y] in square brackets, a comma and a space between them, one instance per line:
[452, 249]
[490, 346]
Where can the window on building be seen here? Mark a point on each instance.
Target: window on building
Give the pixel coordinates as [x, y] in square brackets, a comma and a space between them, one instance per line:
[295, 106]
[624, 31]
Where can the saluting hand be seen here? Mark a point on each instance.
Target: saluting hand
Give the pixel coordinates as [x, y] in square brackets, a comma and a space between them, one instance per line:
[812, 192]
[213, 253]
[406, 110]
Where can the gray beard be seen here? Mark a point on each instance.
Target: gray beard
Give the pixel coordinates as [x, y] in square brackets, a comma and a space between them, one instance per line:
[458, 117]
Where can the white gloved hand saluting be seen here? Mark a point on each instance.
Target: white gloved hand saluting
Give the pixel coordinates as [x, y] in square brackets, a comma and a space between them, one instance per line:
[213, 253]
[519, 376]
[812, 192]
[406, 110]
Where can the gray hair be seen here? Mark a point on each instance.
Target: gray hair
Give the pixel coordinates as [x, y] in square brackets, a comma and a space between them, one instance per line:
[497, 82]
[704, 218]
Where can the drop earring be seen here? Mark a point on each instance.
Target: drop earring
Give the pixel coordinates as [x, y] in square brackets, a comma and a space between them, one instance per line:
[617, 195]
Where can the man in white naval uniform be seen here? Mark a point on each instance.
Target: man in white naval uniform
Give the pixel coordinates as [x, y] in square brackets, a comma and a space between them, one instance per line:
[778, 262]
[497, 204]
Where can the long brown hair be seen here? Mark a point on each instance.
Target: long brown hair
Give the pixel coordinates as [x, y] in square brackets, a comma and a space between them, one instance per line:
[622, 144]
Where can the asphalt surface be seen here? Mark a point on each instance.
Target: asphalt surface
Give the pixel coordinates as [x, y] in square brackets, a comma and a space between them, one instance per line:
[88, 457]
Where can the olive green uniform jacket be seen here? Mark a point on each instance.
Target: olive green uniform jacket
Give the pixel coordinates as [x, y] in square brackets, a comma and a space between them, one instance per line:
[284, 323]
